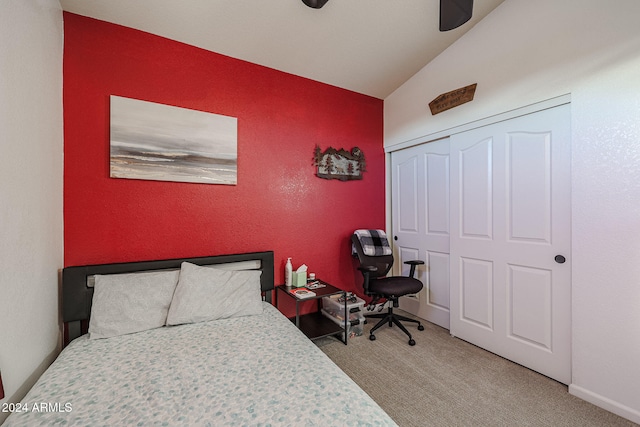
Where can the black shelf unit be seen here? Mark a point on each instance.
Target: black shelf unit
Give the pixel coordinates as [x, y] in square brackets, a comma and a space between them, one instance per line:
[315, 325]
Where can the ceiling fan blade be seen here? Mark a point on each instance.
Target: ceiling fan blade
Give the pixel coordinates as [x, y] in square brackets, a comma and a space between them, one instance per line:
[316, 4]
[454, 13]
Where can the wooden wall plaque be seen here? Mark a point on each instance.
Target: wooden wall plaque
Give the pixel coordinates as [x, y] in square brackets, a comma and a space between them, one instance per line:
[452, 99]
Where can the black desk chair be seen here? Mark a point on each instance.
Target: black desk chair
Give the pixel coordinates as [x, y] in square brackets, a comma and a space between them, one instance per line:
[376, 259]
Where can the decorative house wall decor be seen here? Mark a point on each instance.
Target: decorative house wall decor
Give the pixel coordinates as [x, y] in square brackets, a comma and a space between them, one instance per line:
[339, 164]
[165, 143]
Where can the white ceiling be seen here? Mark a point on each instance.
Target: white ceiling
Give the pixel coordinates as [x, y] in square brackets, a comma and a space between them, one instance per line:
[367, 46]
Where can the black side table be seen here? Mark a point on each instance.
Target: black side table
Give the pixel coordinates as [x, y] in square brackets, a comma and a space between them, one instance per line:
[316, 325]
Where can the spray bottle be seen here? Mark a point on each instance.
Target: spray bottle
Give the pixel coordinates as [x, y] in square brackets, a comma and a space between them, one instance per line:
[288, 273]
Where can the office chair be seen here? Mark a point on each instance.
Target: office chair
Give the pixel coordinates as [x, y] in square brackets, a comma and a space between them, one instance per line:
[376, 259]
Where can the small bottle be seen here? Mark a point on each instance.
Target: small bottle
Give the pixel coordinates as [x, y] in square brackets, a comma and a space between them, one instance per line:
[288, 272]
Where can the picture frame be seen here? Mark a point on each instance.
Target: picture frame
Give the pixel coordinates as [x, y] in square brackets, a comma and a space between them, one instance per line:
[159, 142]
[339, 163]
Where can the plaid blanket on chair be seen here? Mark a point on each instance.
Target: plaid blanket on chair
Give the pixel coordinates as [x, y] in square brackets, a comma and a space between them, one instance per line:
[374, 242]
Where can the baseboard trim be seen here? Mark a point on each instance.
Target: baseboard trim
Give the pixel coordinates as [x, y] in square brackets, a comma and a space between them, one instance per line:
[605, 403]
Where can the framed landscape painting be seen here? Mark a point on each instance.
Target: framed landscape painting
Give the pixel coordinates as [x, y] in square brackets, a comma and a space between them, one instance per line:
[164, 143]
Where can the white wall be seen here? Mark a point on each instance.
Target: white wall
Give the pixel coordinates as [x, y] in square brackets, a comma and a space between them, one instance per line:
[31, 223]
[606, 238]
[529, 51]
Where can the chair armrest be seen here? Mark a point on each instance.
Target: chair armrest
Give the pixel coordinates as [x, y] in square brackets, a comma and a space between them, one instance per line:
[413, 264]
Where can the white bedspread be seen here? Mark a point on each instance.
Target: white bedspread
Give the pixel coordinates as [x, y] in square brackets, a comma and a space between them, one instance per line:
[245, 371]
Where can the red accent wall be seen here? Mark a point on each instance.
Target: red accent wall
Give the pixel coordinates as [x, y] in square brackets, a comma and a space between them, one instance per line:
[278, 204]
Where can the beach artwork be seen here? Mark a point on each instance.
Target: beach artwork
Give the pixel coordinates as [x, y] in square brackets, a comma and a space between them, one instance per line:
[165, 143]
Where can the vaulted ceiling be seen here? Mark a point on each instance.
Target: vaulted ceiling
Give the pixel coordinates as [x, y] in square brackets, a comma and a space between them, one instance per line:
[367, 46]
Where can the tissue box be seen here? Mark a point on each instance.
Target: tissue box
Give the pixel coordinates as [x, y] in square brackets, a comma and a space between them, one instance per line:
[298, 280]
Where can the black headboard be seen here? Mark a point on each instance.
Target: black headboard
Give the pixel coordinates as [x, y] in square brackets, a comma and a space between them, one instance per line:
[77, 288]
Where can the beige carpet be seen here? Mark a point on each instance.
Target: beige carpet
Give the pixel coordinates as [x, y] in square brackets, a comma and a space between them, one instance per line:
[444, 381]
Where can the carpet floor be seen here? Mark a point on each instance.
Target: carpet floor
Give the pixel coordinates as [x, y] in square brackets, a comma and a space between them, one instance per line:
[444, 381]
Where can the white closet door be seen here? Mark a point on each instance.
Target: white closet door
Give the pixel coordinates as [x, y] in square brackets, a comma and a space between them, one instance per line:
[420, 222]
[510, 240]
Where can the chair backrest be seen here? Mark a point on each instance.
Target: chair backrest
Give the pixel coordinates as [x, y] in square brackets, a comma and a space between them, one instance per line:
[363, 240]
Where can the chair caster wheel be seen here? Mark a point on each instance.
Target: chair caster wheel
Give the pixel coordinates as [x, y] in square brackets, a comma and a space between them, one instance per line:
[412, 342]
[372, 337]
[420, 328]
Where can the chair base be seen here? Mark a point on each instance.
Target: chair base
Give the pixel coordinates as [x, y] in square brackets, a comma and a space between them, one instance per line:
[391, 318]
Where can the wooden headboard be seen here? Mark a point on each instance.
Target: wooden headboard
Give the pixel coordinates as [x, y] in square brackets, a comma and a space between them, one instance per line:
[77, 282]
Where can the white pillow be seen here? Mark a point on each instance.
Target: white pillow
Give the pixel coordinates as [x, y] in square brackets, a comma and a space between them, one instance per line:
[133, 302]
[205, 293]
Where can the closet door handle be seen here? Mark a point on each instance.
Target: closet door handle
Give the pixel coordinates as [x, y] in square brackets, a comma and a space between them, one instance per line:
[395, 237]
[560, 259]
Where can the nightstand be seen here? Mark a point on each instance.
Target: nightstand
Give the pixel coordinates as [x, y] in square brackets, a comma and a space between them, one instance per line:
[316, 325]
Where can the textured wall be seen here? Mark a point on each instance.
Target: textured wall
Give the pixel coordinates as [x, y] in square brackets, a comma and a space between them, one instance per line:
[278, 204]
[30, 190]
[606, 243]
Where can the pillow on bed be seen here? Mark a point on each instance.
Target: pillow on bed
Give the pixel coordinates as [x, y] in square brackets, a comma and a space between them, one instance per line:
[205, 293]
[133, 302]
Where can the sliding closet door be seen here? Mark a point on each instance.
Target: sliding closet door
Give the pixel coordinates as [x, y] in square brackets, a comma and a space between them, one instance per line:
[510, 240]
[420, 221]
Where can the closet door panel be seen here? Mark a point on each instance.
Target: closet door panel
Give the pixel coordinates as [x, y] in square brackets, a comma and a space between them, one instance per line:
[510, 210]
[421, 222]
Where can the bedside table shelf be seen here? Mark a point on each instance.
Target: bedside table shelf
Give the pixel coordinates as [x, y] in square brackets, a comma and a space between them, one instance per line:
[315, 325]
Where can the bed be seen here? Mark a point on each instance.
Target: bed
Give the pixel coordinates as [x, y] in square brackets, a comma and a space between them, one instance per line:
[252, 367]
